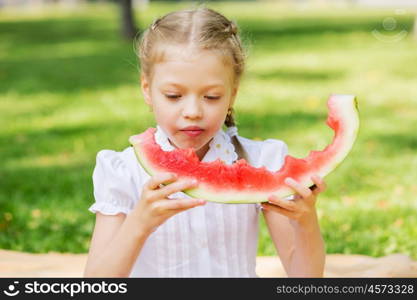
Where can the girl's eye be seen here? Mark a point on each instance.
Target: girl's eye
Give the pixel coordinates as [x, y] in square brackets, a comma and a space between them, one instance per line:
[172, 96]
[177, 96]
[212, 97]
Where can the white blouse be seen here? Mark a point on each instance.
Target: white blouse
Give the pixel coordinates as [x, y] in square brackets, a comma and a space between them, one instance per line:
[213, 240]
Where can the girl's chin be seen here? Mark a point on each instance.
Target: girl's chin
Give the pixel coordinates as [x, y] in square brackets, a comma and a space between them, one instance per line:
[189, 145]
[186, 145]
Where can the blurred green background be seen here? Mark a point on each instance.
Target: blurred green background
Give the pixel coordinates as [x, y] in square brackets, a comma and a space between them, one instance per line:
[69, 87]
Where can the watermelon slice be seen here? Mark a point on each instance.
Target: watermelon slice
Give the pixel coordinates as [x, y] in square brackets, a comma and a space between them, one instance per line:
[243, 183]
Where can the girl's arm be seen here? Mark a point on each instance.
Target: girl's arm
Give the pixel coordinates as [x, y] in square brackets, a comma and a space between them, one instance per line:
[295, 231]
[117, 240]
[116, 243]
[302, 251]
[309, 256]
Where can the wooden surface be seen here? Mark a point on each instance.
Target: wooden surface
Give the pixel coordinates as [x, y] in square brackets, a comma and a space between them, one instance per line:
[19, 264]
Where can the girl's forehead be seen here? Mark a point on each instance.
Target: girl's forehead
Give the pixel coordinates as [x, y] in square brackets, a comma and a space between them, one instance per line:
[182, 64]
[187, 53]
[185, 75]
[182, 84]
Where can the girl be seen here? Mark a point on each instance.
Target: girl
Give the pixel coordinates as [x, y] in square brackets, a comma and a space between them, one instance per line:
[191, 65]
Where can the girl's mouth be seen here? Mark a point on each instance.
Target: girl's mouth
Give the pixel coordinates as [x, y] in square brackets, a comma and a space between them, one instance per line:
[192, 133]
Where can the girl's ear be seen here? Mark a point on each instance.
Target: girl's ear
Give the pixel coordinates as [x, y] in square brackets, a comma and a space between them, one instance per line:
[144, 83]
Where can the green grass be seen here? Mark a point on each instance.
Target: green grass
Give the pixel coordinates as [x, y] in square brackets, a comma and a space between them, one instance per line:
[69, 88]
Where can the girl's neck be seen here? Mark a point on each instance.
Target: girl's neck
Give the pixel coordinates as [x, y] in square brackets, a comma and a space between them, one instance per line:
[202, 151]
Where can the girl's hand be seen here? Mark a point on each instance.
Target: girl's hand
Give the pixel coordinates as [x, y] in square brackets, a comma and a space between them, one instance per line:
[301, 210]
[154, 207]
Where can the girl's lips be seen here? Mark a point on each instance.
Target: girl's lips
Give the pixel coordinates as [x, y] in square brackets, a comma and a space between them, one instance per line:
[192, 133]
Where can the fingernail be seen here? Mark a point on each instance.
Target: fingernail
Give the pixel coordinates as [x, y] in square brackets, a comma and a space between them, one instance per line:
[201, 201]
[194, 181]
[288, 180]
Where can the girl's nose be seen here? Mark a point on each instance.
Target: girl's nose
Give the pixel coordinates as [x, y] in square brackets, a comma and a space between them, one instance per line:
[192, 109]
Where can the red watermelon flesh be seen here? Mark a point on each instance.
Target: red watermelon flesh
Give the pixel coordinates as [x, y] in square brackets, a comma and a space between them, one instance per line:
[243, 183]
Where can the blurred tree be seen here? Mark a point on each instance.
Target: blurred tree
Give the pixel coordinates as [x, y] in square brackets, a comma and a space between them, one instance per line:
[128, 22]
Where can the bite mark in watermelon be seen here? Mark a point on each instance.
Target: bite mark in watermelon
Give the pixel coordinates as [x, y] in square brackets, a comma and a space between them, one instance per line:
[243, 183]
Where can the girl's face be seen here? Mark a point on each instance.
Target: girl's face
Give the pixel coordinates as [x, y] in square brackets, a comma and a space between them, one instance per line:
[190, 89]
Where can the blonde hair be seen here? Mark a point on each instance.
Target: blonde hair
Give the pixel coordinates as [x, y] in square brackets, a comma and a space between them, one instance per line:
[202, 28]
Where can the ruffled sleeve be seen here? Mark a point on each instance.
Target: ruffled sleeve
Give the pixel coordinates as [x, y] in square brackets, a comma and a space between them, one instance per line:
[273, 154]
[114, 188]
[268, 153]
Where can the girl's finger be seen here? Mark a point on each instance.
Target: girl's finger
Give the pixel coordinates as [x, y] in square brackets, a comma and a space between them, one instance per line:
[293, 197]
[157, 180]
[315, 189]
[271, 207]
[176, 187]
[305, 192]
[319, 182]
[181, 203]
[287, 204]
